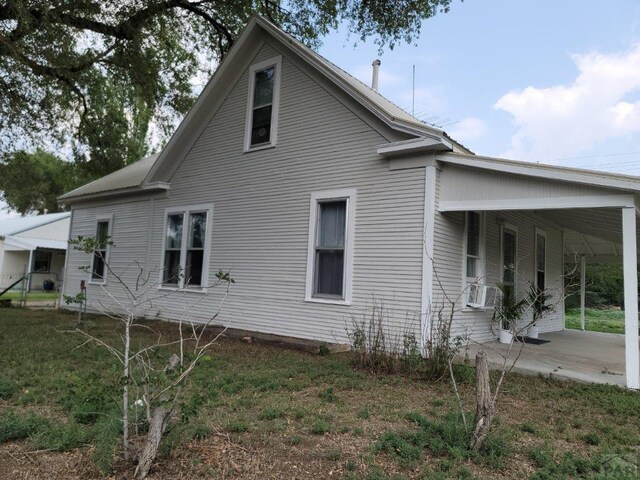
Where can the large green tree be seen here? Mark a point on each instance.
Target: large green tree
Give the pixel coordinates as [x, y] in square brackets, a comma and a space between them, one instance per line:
[94, 75]
[31, 182]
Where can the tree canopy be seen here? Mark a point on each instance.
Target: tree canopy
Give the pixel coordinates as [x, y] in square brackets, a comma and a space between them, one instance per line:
[31, 182]
[102, 78]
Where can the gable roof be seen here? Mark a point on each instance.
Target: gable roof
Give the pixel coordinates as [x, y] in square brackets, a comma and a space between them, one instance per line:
[238, 60]
[127, 178]
[13, 226]
[157, 168]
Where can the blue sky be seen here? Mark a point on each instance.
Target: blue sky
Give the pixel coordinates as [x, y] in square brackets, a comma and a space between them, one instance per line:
[536, 80]
[531, 80]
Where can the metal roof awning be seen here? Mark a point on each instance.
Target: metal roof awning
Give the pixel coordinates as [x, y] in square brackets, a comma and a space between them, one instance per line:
[28, 244]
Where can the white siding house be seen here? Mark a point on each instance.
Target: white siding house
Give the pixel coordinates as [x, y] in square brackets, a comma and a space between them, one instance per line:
[35, 245]
[321, 196]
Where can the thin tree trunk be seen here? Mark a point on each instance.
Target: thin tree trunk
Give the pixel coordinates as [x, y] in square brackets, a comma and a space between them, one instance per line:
[157, 427]
[125, 392]
[484, 403]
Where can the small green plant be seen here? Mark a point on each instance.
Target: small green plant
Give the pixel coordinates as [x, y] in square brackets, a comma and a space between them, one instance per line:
[323, 350]
[328, 395]
[14, 426]
[508, 310]
[271, 413]
[320, 427]
[592, 439]
[294, 440]
[350, 466]
[59, 437]
[528, 428]
[364, 413]
[335, 455]
[7, 389]
[238, 426]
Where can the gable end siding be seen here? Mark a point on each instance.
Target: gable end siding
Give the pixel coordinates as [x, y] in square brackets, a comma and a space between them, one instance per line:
[261, 214]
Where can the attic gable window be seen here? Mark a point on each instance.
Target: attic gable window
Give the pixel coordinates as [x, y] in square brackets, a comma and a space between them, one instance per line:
[262, 108]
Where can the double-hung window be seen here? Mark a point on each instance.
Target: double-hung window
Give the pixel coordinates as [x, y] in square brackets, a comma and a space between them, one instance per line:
[330, 256]
[509, 247]
[541, 260]
[263, 102]
[101, 251]
[473, 247]
[478, 294]
[186, 246]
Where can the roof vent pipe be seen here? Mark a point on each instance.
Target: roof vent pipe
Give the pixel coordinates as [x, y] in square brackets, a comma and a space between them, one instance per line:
[374, 80]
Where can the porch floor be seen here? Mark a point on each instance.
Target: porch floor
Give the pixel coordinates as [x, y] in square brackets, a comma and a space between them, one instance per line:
[570, 354]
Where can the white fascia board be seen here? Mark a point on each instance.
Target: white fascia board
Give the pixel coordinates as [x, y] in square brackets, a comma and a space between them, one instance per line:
[548, 172]
[150, 187]
[554, 203]
[413, 146]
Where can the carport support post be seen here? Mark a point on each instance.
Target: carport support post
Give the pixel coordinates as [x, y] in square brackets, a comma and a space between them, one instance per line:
[630, 262]
[583, 281]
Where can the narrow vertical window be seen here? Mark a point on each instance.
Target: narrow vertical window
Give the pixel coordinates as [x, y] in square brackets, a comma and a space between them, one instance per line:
[173, 248]
[331, 240]
[98, 267]
[509, 260]
[473, 246]
[262, 106]
[195, 249]
[330, 248]
[185, 253]
[541, 260]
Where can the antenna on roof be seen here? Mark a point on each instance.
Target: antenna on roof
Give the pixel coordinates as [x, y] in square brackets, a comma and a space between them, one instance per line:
[413, 93]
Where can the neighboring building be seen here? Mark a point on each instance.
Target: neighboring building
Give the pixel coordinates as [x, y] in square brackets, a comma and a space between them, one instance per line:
[320, 196]
[36, 244]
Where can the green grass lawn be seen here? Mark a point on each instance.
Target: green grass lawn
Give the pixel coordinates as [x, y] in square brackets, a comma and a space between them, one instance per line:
[255, 411]
[35, 296]
[596, 320]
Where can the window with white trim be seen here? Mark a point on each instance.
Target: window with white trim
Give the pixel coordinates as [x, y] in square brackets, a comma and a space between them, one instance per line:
[263, 102]
[541, 260]
[186, 245]
[478, 294]
[329, 262]
[473, 231]
[509, 245]
[101, 251]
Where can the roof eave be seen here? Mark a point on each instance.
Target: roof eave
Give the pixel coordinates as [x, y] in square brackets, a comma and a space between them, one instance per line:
[149, 187]
[549, 172]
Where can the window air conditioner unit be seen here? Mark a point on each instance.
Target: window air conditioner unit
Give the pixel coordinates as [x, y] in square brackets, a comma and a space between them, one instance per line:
[481, 296]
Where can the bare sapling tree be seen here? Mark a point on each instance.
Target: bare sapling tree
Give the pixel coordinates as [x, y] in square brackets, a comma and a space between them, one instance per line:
[443, 344]
[154, 371]
[518, 315]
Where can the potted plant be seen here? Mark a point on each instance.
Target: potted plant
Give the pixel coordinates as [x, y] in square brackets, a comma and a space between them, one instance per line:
[507, 312]
[538, 299]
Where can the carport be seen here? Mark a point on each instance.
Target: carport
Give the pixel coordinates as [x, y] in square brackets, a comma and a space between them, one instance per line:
[596, 212]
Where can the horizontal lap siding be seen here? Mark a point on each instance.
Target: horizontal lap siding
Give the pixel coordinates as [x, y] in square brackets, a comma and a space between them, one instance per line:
[129, 232]
[449, 261]
[261, 214]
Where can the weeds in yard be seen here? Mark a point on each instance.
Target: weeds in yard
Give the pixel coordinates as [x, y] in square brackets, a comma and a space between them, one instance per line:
[320, 427]
[379, 345]
[7, 389]
[446, 437]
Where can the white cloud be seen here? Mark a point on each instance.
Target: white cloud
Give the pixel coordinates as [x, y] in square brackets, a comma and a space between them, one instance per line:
[565, 120]
[467, 129]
